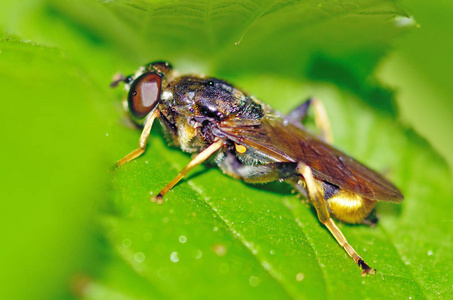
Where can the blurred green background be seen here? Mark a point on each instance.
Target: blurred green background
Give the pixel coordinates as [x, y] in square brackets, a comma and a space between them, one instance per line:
[419, 69]
[62, 128]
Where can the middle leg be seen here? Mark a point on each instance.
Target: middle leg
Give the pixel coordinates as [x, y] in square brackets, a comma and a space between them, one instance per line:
[201, 157]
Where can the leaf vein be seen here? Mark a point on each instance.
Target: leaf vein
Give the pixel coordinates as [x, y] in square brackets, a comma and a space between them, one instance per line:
[302, 227]
[247, 244]
[408, 270]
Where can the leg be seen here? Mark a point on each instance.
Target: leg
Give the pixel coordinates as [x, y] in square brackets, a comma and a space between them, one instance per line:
[371, 220]
[322, 121]
[323, 215]
[261, 173]
[201, 157]
[296, 117]
[142, 142]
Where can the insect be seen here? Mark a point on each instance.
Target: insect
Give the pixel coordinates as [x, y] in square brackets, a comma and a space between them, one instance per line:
[250, 141]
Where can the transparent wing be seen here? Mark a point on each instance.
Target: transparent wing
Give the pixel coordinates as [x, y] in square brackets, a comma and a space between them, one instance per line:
[288, 143]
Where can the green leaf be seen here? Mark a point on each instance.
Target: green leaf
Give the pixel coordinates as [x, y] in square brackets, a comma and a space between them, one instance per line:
[215, 237]
[278, 37]
[51, 171]
[270, 238]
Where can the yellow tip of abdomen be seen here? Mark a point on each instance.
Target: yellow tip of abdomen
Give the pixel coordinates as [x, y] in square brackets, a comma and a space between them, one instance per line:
[349, 207]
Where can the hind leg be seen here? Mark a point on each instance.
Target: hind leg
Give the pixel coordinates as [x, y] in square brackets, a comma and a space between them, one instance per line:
[297, 116]
[324, 217]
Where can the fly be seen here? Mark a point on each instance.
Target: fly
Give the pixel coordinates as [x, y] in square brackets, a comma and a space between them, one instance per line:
[250, 141]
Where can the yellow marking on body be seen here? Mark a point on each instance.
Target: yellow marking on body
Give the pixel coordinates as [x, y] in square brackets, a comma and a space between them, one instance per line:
[240, 148]
[186, 133]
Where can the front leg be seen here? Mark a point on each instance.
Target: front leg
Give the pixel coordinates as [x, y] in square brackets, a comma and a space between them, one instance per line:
[142, 141]
[323, 215]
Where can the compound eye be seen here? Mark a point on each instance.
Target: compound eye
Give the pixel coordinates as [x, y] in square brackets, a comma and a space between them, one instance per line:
[144, 94]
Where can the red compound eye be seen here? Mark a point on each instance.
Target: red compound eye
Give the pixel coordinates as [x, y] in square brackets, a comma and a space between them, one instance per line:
[144, 94]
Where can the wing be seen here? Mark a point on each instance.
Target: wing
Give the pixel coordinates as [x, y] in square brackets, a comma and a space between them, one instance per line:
[288, 143]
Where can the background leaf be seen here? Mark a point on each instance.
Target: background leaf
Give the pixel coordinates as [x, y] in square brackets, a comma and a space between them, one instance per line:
[214, 236]
[423, 86]
[51, 172]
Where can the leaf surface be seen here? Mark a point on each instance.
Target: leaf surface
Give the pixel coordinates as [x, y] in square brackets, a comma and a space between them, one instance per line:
[216, 237]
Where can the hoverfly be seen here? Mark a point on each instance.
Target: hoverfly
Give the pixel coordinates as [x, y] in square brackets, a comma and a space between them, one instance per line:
[250, 141]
